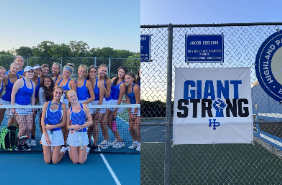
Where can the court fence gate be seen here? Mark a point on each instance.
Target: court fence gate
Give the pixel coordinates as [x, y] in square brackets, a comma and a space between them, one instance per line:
[163, 163]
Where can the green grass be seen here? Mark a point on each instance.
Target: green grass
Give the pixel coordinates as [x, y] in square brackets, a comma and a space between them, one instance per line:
[211, 164]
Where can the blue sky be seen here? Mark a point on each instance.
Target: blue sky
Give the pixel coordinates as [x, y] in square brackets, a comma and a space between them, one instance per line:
[108, 23]
[209, 11]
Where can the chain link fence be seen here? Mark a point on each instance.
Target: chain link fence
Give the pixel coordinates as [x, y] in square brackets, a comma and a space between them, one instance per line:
[162, 163]
[132, 64]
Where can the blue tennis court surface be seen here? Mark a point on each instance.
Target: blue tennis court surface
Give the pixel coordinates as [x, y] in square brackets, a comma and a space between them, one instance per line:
[102, 169]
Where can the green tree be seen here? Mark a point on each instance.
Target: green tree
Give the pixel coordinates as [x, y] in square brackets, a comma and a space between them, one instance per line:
[60, 50]
[133, 64]
[24, 51]
[79, 49]
[43, 49]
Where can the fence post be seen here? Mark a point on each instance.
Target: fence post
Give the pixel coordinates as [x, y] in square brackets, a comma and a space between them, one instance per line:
[109, 67]
[26, 61]
[61, 65]
[95, 62]
[168, 106]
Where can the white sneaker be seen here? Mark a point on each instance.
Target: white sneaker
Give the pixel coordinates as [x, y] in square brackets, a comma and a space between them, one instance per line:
[138, 147]
[28, 143]
[119, 145]
[102, 143]
[106, 145]
[32, 142]
[114, 143]
[133, 146]
[63, 149]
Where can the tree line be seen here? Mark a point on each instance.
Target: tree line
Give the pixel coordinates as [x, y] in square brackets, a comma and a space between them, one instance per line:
[73, 49]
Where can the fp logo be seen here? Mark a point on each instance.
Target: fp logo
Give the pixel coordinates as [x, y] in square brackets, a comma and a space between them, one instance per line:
[215, 124]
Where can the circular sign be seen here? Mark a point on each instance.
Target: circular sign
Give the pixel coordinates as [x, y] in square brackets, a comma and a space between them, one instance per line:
[269, 66]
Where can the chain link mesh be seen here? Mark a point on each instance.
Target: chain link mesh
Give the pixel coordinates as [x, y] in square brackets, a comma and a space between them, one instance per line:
[132, 64]
[259, 163]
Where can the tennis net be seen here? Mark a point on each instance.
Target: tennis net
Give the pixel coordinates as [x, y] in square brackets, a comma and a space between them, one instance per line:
[113, 144]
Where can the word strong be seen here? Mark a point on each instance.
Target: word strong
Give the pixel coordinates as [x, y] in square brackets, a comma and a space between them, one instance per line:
[204, 95]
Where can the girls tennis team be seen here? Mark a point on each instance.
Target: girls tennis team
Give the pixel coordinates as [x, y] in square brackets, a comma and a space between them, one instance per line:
[67, 124]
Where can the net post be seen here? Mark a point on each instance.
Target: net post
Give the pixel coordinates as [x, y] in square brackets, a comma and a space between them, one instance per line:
[109, 67]
[168, 106]
[61, 65]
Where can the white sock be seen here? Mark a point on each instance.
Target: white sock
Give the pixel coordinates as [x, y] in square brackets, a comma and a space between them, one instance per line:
[135, 142]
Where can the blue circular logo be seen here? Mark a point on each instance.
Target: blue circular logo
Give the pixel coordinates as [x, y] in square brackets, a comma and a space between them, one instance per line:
[269, 66]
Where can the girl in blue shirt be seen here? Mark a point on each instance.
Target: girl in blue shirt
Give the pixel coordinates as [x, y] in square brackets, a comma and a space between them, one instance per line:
[78, 119]
[117, 92]
[133, 97]
[3, 83]
[56, 69]
[99, 92]
[23, 93]
[12, 77]
[53, 118]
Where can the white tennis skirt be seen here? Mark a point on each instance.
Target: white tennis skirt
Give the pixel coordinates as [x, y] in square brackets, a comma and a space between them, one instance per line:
[94, 110]
[57, 138]
[4, 102]
[73, 138]
[8, 112]
[109, 102]
[22, 111]
[132, 111]
[114, 102]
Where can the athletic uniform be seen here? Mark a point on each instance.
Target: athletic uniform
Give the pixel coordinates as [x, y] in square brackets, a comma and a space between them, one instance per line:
[23, 97]
[83, 94]
[115, 90]
[78, 118]
[97, 96]
[132, 99]
[108, 101]
[53, 117]
[66, 88]
[37, 88]
[1, 86]
[6, 98]
[56, 79]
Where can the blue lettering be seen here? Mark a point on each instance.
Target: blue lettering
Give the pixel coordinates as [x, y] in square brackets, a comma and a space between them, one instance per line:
[199, 89]
[236, 87]
[223, 90]
[186, 89]
[209, 90]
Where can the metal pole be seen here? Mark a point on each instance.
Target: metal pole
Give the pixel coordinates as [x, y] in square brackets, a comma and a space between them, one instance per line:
[168, 106]
[109, 67]
[27, 61]
[61, 65]
[95, 62]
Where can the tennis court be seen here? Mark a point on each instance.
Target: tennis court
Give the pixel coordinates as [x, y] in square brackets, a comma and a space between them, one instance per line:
[98, 169]
[206, 164]
[110, 166]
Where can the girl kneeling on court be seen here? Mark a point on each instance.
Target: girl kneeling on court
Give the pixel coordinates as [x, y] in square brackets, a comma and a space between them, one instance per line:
[53, 118]
[78, 120]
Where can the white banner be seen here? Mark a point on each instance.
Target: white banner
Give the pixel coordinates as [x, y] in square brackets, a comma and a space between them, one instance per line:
[212, 106]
